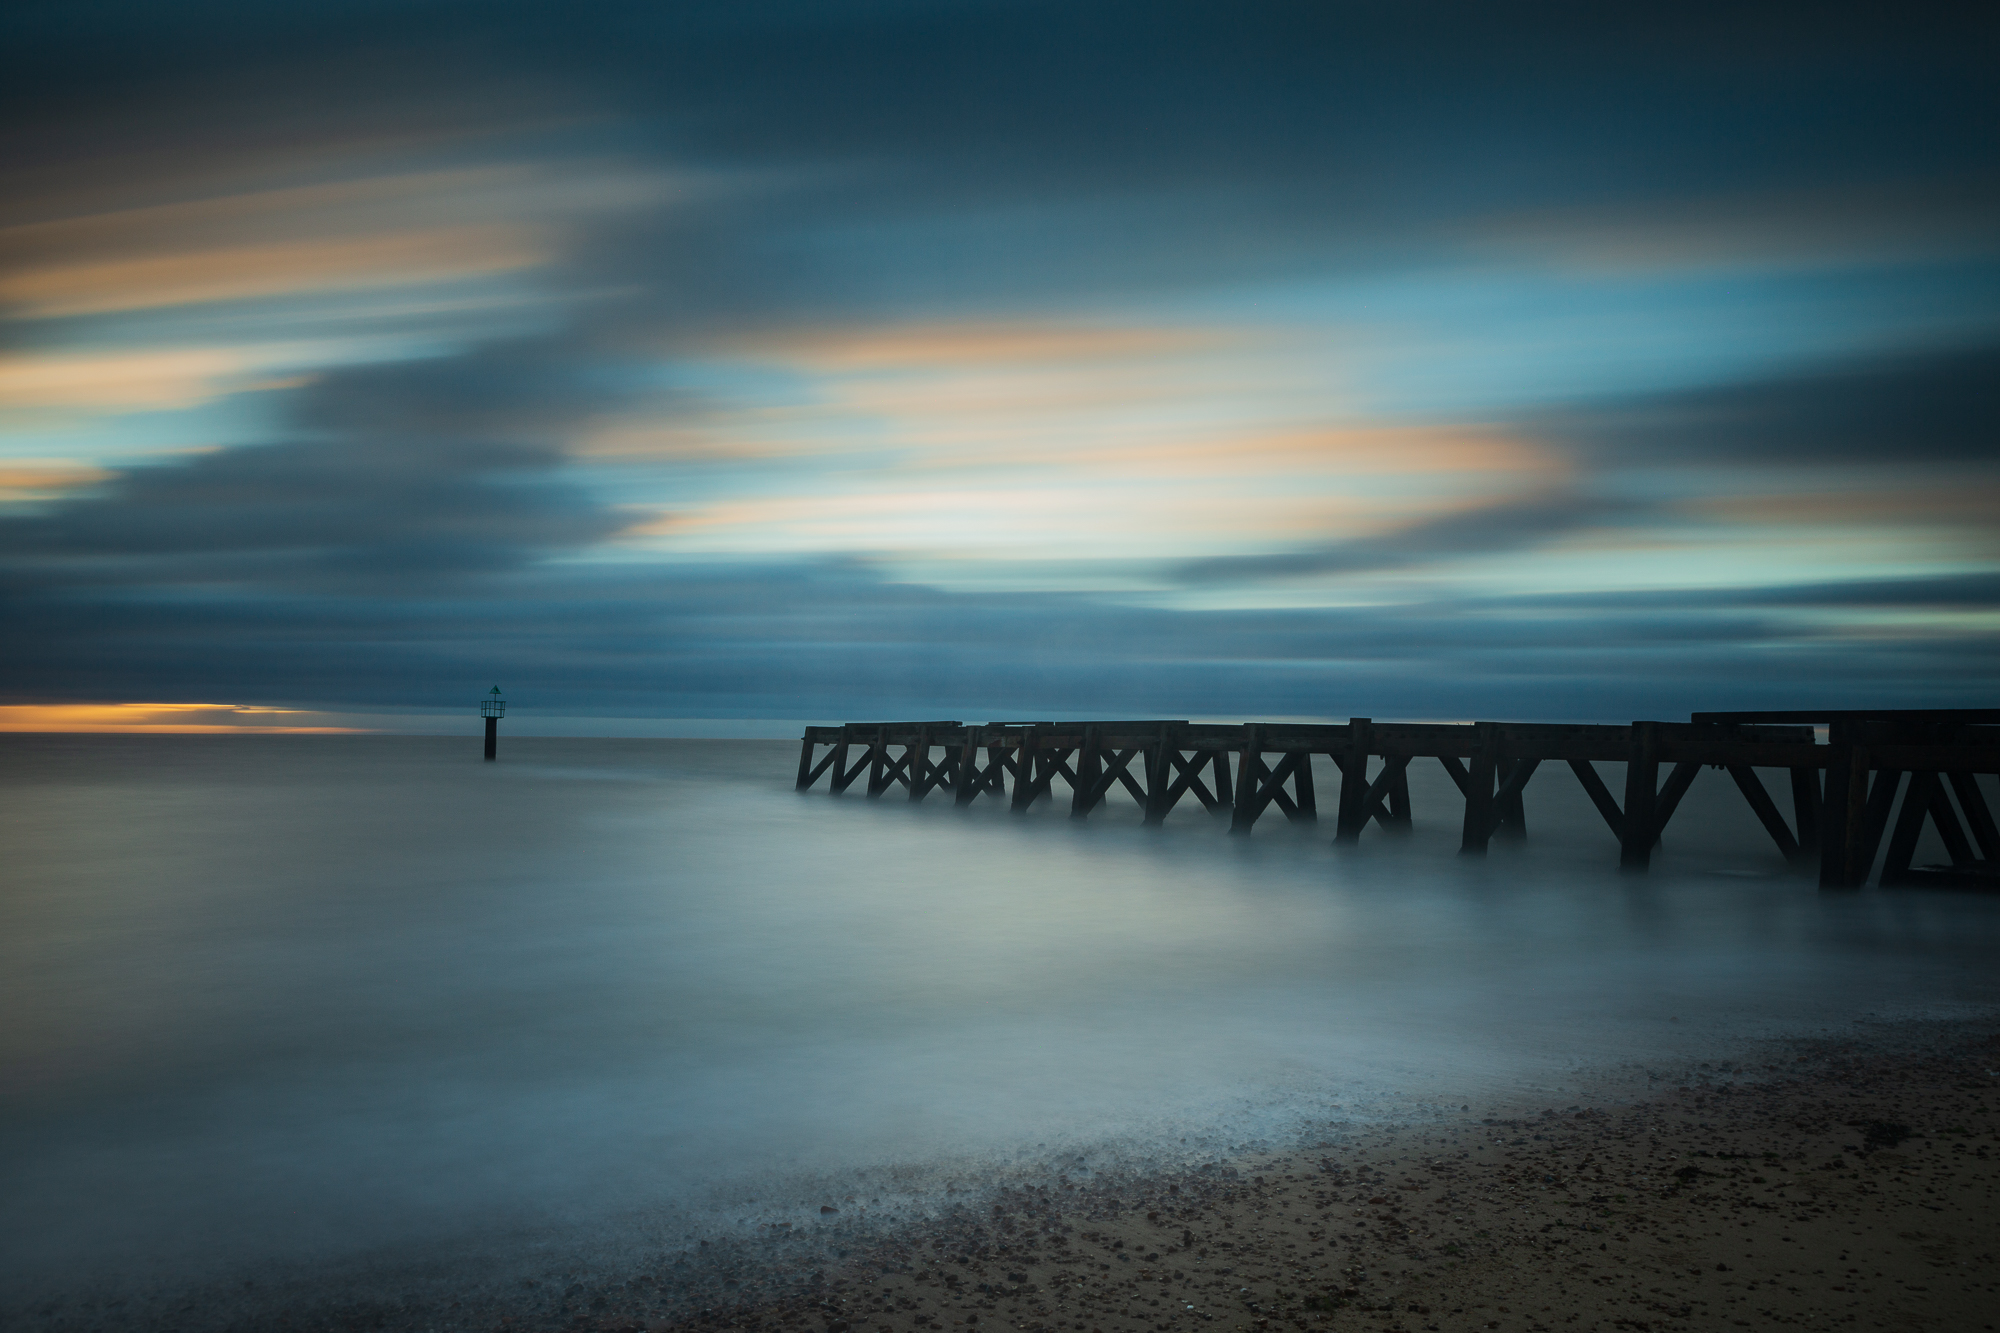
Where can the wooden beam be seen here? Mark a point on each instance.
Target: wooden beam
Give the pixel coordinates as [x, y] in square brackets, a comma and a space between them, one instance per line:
[1909, 827]
[843, 776]
[1600, 796]
[1805, 811]
[1875, 819]
[1225, 798]
[1115, 772]
[1766, 810]
[1675, 787]
[1395, 775]
[825, 762]
[1274, 785]
[1190, 781]
[968, 785]
[1125, 778]
[1456, 772]
[1949, 829]
[896, 770]
[1302, 789]
[806, 771]
[1977, 816]
[1399, 820]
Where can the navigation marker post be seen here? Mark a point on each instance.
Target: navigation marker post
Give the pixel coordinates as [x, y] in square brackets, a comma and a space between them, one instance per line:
[493, 708]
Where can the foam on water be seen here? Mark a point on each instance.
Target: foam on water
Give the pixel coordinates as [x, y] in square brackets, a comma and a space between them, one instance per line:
[286, 1002]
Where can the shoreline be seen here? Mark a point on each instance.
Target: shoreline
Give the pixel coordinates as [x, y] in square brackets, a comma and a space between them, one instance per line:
[1820, 1183]
[1859, 1191]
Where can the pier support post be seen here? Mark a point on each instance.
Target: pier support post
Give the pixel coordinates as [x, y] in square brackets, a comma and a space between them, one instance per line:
[492, 738]
[1642, 785]
[917, 759]
[805, 763]
[1510, 813]
[1478, 827]
[1159, 777]
[967, 784]
[1353, 816]
[1026, 761]
[878, 754]
[1399, 800]
[1089, 772]
[1225, 798]
[1249, 777]
[1834, 808]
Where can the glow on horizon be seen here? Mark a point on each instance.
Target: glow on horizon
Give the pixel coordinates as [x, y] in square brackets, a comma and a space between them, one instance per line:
[176, 719]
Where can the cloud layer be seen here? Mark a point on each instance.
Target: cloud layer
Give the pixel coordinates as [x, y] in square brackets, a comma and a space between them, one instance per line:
[782, 360]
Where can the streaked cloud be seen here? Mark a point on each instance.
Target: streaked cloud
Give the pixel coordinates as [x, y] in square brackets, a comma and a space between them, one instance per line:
[29, 479]
[1886, 222]
[865, 358]
[129, 381]
[410, 258]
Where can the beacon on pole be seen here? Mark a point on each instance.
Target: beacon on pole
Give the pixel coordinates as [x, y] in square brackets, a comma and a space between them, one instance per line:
[493, 708]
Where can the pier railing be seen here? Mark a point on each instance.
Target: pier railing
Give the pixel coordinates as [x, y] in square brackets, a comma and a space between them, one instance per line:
[1843, 790]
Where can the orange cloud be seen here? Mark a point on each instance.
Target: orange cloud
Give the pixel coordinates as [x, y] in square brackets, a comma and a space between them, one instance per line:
[1329, 452]
[179, 719]
[975, 344]
[43, 479]
[271, 269]
[125, 381]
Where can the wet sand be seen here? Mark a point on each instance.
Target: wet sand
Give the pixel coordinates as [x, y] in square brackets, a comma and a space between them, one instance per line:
[1858, 1195]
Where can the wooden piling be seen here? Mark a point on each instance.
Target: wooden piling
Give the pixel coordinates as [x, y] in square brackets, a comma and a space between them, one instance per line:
[1510, 815]
[1478, 788]
[1249, 777]
[1642, 776]
[1089, 771]
[1354, 791]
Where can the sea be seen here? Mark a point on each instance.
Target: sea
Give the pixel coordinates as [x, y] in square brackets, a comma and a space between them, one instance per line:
[303, 1018]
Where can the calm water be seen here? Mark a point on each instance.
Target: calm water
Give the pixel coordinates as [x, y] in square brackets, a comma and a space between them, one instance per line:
[336, 1001]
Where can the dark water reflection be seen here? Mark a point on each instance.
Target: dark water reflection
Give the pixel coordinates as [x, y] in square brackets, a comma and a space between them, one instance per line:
[280, 999]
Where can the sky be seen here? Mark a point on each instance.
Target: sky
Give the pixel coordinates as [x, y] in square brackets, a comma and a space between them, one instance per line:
[722, 366]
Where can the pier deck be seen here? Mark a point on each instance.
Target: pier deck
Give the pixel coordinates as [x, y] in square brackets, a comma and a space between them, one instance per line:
[1843, 789]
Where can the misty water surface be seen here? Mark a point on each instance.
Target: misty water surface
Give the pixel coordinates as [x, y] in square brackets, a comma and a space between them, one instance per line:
[315, 999]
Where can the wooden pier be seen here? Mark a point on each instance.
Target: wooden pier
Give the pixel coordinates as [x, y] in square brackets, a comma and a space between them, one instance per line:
[1843, 790]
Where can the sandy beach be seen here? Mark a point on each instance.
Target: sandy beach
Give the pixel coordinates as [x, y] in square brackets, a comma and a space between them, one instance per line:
[1857, 1192]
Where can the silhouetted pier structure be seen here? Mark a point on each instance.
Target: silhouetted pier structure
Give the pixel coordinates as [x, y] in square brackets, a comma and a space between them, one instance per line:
[1843, 790]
